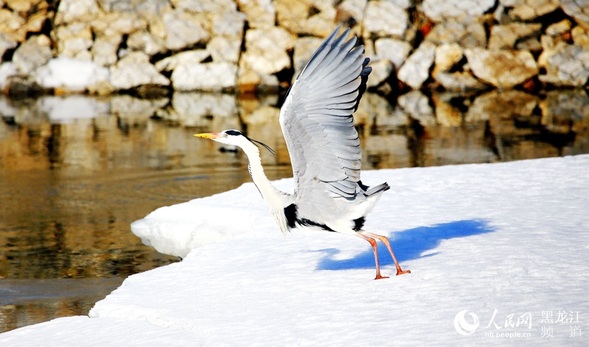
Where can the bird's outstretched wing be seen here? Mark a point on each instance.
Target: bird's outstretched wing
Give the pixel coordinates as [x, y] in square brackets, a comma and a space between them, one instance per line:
[316, 118]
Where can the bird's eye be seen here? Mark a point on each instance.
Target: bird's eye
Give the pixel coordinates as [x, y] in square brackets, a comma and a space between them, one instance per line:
[232, 132]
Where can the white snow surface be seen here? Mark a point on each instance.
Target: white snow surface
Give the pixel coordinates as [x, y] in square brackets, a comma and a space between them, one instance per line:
[498, 254]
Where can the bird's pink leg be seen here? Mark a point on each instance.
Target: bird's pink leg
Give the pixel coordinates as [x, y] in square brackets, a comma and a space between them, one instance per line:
[386, 242]
[372, 242]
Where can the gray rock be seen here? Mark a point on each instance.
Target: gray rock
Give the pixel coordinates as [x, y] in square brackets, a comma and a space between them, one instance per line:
[567, 65]
[581, 36]
[306, 17]
[393, 50]
[578, 9]
[265, 54]
[104, 49]
[466, 33]
[416, 68]
[211, 77]
[71, 75]
[266, 50]
[74, 40]
[559, 28]
[227, 36]
[117, 23]
[200, 6]
[447, 56]
[10, 26]
[135, 70]
[183, 58]
[146, 42]
[501, 68]
[384, 18]
[505, 36]
[36, 51]
[351, 11]
[441, 11]
[258, 13]
[381, 71]
[529, 9]
[183, 29]
[76, 10]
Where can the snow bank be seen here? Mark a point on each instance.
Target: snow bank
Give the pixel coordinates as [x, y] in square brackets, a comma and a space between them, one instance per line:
[498, 252]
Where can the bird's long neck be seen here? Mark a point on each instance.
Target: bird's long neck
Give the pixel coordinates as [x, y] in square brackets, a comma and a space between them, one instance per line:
[275, 200]
[267, 190]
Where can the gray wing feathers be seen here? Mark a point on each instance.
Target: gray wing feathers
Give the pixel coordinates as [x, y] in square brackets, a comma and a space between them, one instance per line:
[317, 122]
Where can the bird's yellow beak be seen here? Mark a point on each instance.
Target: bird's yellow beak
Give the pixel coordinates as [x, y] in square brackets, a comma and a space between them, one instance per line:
[210, 136]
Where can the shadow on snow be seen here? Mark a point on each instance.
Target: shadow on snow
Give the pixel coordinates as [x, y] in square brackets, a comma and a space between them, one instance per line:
[407, 245]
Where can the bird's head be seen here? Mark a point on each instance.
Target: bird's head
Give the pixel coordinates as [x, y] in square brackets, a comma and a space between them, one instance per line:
[234, 138]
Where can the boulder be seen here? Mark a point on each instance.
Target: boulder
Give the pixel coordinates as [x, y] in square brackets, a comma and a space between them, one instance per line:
[306, 17]
[385, 18]
[135, 70]
[258, 13]
[34, 52]
[265, 54]
[442, 11]
[210, 77]
[416, 68]
[505, 36]
[72, 75]
[501, 68]
[201, 6]
[105, 49]
[10, 26]
[578, 9]
[183, 58]
[467, 33]
[566, 65]
[393, 50]
[580, 36]
[526, 10]
[70, 11]
[146, 42]
[184, 29]
[381, 71]
[74, 40]
[447, 56]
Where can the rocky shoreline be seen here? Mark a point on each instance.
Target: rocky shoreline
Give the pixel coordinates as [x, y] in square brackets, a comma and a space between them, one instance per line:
[157, 46]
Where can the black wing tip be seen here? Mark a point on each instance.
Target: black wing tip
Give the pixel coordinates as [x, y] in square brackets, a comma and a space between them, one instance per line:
[374, 190]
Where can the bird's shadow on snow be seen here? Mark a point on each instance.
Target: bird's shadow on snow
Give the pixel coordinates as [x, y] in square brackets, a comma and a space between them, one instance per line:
[407, 245]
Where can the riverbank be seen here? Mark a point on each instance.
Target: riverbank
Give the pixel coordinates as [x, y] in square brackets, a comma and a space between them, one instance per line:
[154, 47]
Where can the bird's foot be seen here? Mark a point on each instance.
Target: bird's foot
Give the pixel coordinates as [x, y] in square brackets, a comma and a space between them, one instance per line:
[402, 272]
[380, 277]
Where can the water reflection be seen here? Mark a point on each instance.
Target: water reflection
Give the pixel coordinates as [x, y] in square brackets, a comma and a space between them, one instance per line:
[76, 171]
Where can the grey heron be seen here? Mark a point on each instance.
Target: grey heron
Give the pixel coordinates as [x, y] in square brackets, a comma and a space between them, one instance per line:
[318, 126]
